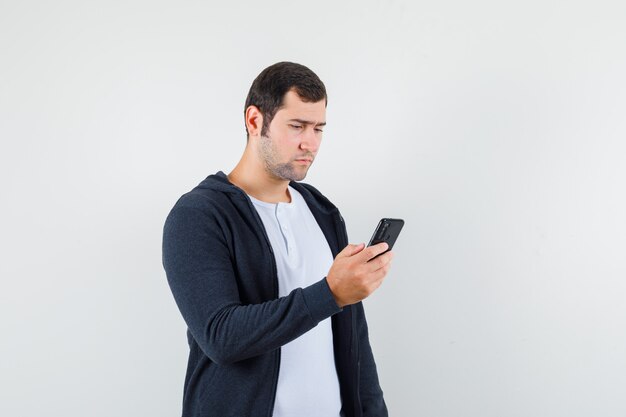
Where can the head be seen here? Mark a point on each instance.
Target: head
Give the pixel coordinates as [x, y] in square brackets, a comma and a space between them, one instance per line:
[285, 114]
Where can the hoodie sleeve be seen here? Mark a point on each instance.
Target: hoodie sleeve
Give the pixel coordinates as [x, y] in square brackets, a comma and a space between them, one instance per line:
[201, 276]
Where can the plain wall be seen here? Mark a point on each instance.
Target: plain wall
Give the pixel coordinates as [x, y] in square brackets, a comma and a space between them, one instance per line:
[495, 129]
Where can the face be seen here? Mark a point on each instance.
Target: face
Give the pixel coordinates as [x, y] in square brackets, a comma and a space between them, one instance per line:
[293, 138]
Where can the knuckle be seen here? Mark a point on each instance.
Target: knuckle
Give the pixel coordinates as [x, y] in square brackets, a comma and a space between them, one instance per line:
[380, 262]
[358, 272]
[378, 284]
[358, 280]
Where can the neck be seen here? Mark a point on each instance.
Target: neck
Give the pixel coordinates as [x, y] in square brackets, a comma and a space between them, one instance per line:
[250, 175]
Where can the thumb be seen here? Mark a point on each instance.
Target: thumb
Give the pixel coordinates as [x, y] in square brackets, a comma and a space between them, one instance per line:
[351, 250]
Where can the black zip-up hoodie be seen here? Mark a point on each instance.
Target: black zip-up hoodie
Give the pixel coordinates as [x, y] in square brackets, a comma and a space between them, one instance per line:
[222, 272]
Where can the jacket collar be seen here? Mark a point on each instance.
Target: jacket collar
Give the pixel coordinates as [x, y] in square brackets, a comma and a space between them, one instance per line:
[219, 182]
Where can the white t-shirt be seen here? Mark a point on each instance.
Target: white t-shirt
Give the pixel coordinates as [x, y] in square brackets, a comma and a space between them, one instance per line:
[307, 382]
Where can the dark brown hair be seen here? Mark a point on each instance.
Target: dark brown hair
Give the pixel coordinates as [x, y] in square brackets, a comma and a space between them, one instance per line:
[270, 86]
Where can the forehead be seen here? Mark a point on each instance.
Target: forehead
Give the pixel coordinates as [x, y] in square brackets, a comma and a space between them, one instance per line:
[294, 107]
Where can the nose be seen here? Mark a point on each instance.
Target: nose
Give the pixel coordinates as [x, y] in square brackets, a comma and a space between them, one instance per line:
[310, 140]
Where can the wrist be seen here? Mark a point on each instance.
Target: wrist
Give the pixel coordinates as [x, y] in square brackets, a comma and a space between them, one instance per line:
[333, 290]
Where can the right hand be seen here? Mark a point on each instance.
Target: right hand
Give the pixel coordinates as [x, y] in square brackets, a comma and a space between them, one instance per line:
[354, 275]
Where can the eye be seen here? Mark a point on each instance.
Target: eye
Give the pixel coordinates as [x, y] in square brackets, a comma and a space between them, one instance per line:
[296, 126]
[319, 130]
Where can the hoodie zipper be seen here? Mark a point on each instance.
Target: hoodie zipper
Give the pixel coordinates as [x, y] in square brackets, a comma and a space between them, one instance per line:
[354, 342]
[275, 282]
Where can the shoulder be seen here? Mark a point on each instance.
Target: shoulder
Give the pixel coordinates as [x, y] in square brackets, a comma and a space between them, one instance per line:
[213, 193]
[202, 207]
[200, 199]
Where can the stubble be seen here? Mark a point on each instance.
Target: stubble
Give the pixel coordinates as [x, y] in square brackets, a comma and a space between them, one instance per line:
[273, 166]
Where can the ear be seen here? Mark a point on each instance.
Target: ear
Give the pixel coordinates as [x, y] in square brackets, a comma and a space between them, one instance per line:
[254, 120]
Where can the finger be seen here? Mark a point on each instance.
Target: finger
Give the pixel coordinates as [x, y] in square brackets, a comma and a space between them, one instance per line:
[377, 278]
[384, 256]
[351, 250]
[379, 262]
[381, 274]
[373, 251]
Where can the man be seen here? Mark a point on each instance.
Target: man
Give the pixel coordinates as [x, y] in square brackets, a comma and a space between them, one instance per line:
[262, 272]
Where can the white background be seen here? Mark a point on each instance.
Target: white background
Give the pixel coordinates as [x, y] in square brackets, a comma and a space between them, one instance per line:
[496, 129]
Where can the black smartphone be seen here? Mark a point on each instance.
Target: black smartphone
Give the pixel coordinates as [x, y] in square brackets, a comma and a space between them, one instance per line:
[386, 231]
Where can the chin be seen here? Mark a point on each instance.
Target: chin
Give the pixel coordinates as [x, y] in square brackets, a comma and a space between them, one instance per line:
[297, 176]
[288, 172]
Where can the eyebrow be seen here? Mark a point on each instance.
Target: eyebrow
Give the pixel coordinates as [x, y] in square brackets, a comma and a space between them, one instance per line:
[307, 122]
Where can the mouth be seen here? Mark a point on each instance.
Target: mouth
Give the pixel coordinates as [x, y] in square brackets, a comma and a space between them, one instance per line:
[304, 161]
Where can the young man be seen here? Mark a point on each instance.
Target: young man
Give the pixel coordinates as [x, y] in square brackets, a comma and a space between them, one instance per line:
[262, 272]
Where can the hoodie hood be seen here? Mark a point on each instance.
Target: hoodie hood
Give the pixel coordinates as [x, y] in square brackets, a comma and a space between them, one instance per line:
[219, 182]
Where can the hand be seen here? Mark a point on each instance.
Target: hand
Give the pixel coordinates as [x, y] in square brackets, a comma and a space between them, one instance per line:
[354, 275]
